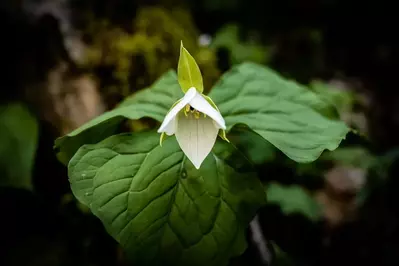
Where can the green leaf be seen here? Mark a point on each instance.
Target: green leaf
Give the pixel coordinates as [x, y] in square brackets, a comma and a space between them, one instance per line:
[153, 102]
[291, 117]
[159, 207]
[189, 74]
[18, 143]
[293, 199]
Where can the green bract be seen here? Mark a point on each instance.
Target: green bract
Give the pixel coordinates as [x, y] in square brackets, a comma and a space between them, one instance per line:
[161, 208]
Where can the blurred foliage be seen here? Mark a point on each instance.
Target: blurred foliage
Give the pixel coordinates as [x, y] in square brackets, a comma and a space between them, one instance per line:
[350, 104]
[379, 173]
[342, 99]
[355, 156]
[240, 49]
[281, 258]
[293, 200]
[259, 150]
[381, 166]
[127, 60]
[18, 141]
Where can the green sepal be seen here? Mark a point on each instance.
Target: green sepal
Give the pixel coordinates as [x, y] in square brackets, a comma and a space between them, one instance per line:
[161, 139]
[210, 102]
[222, 134]
[188, 72]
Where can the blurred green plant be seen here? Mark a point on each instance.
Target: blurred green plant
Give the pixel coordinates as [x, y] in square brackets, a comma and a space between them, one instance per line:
[355, 156]
[250, 145]
[294, 199]
[18, 143]
[241, 50]
[343, 100]
[379, 174]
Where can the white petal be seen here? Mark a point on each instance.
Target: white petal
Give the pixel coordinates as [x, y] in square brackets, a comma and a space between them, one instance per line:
[196, 137]
[171, 127]
[165, 127]
[202, 105]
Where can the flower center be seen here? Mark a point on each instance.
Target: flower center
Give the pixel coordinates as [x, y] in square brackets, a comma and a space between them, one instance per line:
[190, 110]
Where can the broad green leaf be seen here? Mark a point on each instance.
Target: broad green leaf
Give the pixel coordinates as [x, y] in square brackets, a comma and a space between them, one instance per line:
[189, 74]
[293, 199]
[18, 143]
[153, 102]
[158, 206]
[286, 114]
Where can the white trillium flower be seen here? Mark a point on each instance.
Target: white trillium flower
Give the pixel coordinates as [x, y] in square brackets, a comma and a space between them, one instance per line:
[196, 124]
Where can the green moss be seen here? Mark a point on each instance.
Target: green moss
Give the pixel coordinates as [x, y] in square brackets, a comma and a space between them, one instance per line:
[137, 59]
